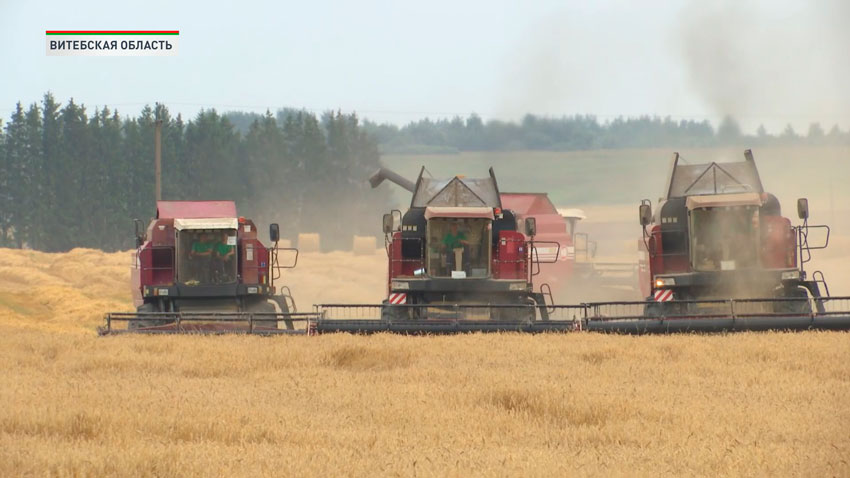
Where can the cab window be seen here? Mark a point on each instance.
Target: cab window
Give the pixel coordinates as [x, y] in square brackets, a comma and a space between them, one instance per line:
[460, 245]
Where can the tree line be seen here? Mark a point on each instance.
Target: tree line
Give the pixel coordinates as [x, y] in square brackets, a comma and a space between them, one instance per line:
[570, 133]
[73, 178]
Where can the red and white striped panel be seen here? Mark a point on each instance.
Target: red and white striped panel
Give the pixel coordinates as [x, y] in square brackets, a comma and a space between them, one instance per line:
[663, 295]
[397, 298]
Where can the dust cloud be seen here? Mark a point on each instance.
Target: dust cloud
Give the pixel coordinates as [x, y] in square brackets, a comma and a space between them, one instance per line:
[338, 277]
[816, 173]
[539, 74]
[769, 64]
[336, 222]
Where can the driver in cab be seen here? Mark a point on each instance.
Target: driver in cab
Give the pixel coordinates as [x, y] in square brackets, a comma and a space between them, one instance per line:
[224, 253]
[454, 241]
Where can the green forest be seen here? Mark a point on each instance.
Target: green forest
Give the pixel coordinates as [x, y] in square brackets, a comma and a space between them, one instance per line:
[70, 177]
[571, 133]
[73, 178]
[582, 132]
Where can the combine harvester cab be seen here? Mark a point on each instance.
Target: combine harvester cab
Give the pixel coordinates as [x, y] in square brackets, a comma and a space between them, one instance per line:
[457, 262]
[200, 268]
[721, 257]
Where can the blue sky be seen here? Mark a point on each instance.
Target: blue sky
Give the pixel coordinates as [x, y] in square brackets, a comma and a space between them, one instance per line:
[765, 62]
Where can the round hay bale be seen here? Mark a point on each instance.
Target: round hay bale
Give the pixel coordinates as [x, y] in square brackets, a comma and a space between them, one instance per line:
[309, 242]
[365, 245]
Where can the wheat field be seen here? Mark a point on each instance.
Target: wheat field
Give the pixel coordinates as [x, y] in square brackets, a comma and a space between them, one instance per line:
[73, 404]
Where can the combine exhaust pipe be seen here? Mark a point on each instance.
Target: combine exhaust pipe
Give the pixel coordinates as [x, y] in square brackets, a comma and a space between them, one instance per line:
[383, 173]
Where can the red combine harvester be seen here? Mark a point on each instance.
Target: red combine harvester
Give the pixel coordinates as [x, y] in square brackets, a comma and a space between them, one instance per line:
[199, 267]
[457, 262]
[719, 257]
[575, 274]
[558, 259]
[722, 258]
[718, 234]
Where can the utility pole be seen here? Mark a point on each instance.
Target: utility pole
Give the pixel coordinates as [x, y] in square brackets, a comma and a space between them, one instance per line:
[158, 158]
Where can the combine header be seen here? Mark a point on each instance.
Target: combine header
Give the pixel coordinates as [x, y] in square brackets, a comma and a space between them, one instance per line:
[200, 268]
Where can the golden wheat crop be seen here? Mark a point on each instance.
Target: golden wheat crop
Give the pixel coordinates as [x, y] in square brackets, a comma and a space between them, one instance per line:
[72, 404]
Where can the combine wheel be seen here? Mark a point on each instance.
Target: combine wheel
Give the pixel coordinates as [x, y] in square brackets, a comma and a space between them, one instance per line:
[664, 309]
[140, 324]
[801, 306]
[263, 307]
[522, 312]
[653, 308]
[392, 314]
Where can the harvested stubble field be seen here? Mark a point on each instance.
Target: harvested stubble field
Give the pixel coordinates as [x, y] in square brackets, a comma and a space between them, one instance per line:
[72, 404]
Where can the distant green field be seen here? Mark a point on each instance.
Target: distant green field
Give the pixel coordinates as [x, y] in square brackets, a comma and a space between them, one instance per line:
[608, 177]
